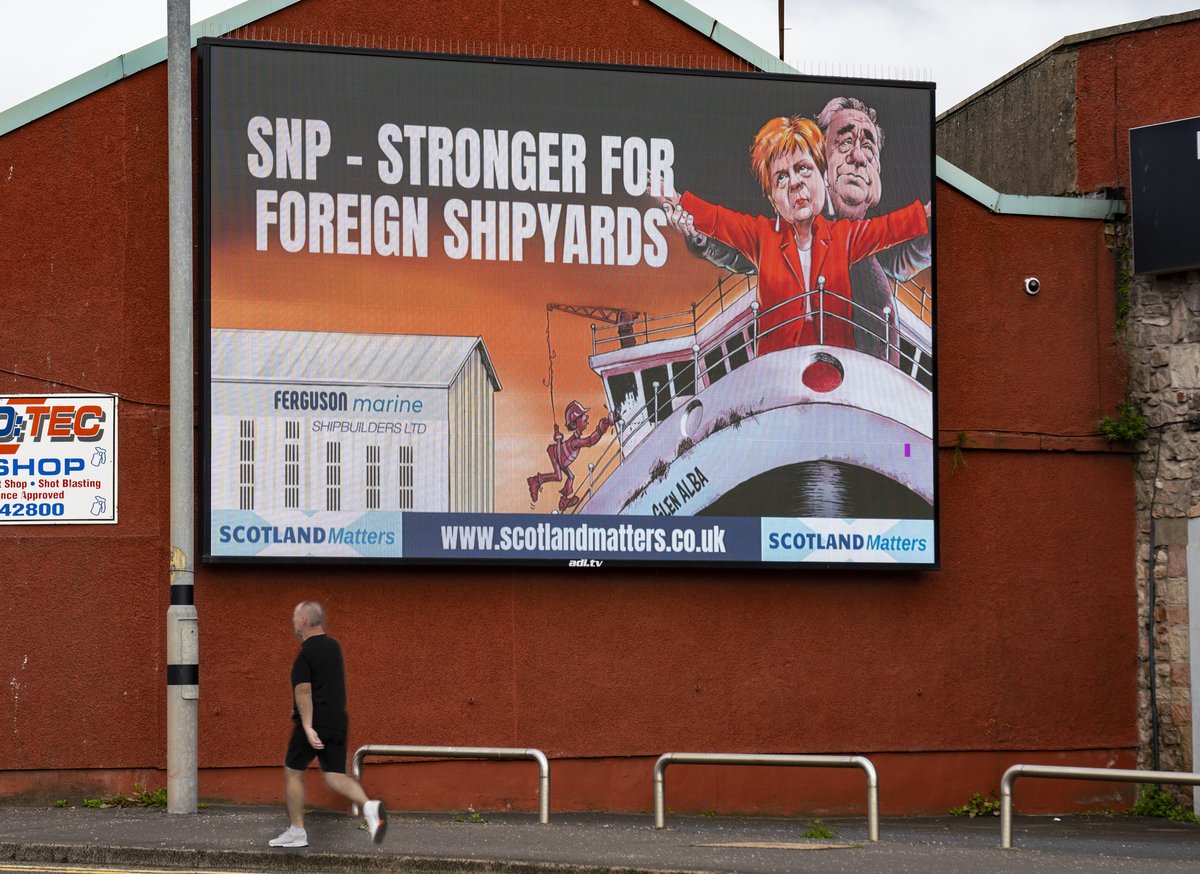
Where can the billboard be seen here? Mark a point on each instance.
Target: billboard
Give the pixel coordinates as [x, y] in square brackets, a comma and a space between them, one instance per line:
[484, 310]
[58, 459]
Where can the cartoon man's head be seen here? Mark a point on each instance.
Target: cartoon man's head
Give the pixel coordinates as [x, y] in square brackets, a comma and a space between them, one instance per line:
[575, 415]
[853, 141]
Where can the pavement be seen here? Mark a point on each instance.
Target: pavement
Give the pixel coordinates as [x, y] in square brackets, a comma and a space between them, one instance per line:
[234, 838]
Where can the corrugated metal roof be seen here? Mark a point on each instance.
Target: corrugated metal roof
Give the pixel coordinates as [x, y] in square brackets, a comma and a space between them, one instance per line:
[412, 360]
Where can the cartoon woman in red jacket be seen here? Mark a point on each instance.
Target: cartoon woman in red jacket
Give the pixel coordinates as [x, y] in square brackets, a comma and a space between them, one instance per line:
[800, 245]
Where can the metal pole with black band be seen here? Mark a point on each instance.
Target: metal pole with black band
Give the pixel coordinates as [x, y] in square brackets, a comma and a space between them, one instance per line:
[183, 635]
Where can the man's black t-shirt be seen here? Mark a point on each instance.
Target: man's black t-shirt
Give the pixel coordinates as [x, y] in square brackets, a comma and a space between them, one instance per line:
[319, 662]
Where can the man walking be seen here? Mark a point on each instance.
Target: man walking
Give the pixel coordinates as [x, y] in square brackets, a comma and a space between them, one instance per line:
[319, 712]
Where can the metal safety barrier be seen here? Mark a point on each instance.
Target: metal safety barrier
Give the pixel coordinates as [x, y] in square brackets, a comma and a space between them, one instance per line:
[1064, 772]
[660, 768]
[491, 753]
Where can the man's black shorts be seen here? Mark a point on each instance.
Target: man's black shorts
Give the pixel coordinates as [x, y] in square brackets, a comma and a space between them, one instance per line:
[300, 753]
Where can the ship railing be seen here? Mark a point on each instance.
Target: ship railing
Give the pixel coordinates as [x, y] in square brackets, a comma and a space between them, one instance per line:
[910, 293]
[729, 289]
[663, 396]
[866, 325]
[658, 407]
[884, 328]
[661, 403]
[647, 329]
[599, 470]
[627, 428]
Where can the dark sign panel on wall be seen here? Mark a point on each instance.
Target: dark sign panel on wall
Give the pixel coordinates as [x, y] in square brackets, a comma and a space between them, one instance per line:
[1164, 172]
[463, 309]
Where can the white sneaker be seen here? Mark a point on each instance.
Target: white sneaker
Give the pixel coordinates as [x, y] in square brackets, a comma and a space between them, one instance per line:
[376, 816]
[293, 837]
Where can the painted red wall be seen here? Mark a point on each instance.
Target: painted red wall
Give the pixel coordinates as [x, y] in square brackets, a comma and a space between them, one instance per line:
[1023, 648]
[1048, 364]
[84, 267]
[1134, 79]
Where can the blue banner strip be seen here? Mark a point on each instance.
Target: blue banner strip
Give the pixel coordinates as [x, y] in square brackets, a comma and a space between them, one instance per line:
[631, 538]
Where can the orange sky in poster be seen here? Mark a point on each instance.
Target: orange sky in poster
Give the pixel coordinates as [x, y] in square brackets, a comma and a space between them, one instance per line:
[502, 302]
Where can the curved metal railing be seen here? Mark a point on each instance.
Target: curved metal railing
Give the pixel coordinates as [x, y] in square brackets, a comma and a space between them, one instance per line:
[494, 753]
[808, 761]
[718, 301]
[1067, 772]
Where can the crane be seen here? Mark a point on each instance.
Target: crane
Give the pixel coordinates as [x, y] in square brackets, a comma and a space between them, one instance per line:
[618, 316]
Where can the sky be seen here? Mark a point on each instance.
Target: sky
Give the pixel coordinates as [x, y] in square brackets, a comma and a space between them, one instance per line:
[962, 45]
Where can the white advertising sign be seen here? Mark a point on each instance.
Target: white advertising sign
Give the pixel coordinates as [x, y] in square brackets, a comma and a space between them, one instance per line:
[58, 459]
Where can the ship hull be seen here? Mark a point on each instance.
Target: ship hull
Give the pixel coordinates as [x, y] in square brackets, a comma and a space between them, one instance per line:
[762, 441]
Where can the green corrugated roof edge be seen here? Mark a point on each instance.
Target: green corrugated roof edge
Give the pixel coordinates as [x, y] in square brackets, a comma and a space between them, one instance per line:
[252, 10]
[723, 36]
[1101, 208]
[132, 62]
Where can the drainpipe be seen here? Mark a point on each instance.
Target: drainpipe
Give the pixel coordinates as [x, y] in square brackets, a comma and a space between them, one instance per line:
[183, 649]
[1151, 619]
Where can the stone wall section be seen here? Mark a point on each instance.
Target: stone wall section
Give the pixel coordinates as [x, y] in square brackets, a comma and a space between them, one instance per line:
[1163, 336]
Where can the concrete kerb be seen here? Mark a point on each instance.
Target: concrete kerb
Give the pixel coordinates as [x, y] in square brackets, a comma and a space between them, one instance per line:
[327, 863]
[234, 838]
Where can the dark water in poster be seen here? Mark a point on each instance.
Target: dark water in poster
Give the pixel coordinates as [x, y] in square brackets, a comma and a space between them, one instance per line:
[825, 489]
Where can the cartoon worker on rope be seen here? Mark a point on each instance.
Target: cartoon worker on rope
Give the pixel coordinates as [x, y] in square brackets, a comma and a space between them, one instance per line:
[563, 452]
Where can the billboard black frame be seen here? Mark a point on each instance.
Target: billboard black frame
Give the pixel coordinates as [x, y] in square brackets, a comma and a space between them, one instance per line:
[204, 47]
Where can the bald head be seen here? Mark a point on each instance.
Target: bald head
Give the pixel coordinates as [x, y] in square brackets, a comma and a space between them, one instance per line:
[308, 619]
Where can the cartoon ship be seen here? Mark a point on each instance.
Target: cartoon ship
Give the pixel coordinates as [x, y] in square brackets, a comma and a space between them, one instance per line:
[707, 426]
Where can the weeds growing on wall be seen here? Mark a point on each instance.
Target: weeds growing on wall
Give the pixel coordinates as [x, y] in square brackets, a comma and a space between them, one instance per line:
[1128, 425]
[1120, 253]
[140, 797]
[961, 441]
[1152, 801]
